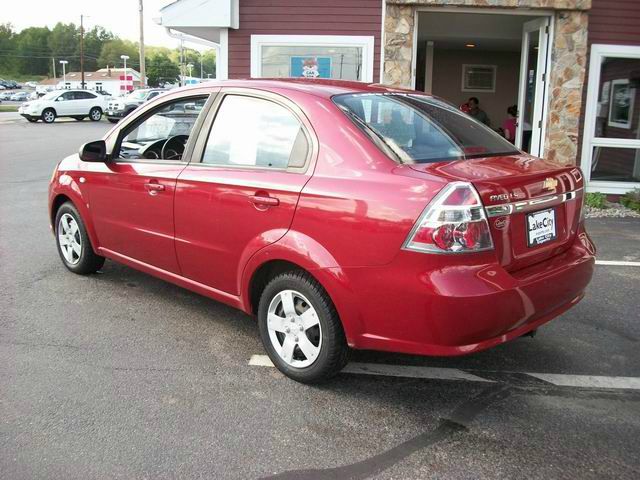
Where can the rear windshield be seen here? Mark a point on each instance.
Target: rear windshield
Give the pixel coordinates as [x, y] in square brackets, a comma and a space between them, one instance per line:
[420, 129]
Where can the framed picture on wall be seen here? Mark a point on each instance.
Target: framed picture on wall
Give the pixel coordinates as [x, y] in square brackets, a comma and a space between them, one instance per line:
[621, 104]
[479, 78]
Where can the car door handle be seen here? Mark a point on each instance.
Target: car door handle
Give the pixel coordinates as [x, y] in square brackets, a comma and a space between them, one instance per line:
[154, 187]
[264, 200]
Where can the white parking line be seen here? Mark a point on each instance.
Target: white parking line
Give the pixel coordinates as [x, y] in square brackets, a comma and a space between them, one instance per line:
[406, 371]
[589, 381]
[618, 263]
[433, 373]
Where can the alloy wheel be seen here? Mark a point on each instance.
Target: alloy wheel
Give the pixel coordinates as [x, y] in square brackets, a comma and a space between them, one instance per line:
[69, 239]
[294, 329]
[49, 116]
[96, 115]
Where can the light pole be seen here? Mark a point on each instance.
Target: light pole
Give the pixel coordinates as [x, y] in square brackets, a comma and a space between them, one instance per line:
[189, 66]
[126, 83]
[64, 73]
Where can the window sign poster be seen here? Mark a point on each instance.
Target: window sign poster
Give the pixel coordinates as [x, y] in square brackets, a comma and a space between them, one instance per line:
[621, 105]
[310, 67]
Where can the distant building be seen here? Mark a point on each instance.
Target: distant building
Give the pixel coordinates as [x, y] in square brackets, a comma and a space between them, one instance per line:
[109, 80]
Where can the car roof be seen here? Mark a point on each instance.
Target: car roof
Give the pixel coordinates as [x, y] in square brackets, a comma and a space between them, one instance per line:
[319, 87]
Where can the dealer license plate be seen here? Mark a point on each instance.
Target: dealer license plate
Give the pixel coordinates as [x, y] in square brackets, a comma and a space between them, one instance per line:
[541, 227]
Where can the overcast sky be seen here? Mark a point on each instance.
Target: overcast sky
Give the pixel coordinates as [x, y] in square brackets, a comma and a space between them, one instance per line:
[119, 16]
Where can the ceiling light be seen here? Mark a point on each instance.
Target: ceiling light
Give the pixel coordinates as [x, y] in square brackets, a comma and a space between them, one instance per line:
[470, 45]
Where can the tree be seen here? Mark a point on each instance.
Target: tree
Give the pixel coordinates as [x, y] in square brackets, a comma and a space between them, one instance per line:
[33, 54]
[63, 41]
[160, 69]
[7, 48]
[113, 49]
[94, 40]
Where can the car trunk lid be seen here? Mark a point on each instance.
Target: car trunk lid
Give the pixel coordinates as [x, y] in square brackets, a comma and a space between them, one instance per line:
[533, 205]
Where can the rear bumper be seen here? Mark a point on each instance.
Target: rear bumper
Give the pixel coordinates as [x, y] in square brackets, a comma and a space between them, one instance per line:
[427, 305]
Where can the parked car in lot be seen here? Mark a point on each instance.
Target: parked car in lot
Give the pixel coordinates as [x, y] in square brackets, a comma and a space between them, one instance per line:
[19, 96]
[342, 215]
[6, 95]
[118, 108]
[77, 104]
[31, 84]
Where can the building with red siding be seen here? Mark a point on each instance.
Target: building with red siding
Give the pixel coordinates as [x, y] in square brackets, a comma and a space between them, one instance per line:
[572, 67]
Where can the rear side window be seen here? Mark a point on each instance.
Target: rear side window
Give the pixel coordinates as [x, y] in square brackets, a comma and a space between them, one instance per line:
[421, 129]
[255, 132]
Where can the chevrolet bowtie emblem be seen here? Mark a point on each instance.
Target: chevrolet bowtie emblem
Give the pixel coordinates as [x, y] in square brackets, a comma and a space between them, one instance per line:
[550, 183]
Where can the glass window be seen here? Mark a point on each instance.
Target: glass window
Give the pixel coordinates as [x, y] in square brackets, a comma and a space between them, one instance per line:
[164, 134]
[308, 61]
[255, 132]
[83, 95]
[618, 110]
[615, 164]
[420, 129]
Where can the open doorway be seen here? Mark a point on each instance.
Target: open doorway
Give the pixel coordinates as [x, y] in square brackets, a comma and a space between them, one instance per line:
[499, 59]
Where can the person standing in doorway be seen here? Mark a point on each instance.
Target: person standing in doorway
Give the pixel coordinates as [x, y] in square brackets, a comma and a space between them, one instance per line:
[509, 124]
[476, 112]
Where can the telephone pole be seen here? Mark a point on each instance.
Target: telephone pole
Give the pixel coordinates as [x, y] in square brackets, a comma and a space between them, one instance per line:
[143, 76]
[82, 52]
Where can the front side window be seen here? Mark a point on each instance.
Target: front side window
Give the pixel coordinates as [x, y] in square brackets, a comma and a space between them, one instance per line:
[254, 132]
[164, 134]
[421, 129]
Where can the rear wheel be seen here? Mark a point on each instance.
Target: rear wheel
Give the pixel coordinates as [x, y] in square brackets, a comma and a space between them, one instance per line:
[73, 242]
[95, 114]
[49, 115]
[300, 328]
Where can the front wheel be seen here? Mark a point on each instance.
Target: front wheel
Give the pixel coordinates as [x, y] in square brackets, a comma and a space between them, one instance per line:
[95, 114]
[73, 242]
[49, 115]
[300, 328]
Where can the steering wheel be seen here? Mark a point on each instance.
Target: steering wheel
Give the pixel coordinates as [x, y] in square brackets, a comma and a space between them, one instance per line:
[173, 148]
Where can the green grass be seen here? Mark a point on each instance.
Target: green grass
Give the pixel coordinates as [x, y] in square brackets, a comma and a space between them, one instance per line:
[21, 78]
[8, 108]
[596, 200]
[631, 199]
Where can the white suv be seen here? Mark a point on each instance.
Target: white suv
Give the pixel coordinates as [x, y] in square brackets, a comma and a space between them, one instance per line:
[77, 104]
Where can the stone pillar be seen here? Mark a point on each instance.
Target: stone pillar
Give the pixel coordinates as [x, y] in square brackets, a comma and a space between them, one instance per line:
[568, 62]
[398, 45]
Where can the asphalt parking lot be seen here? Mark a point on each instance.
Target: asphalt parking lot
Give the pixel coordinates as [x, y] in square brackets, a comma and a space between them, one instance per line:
[120, 375]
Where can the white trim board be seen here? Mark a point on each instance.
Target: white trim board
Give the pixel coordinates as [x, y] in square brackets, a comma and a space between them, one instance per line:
[589, 140]
[365, 42]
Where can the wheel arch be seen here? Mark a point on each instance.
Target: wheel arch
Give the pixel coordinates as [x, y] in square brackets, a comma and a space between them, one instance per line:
[296, 251]
[60, 198]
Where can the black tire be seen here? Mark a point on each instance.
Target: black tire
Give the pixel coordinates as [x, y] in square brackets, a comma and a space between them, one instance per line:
[88, 261]
[95, 114]
[334, 351]
[79, 118]
[32, 119]
[113, 120]
[49, 115]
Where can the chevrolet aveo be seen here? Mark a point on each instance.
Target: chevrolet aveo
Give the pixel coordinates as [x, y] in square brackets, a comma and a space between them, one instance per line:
[342, 215]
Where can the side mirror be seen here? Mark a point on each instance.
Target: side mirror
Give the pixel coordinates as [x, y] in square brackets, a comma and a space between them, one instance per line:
[93, 151]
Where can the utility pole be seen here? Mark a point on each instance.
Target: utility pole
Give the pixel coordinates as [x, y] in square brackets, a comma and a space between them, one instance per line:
[181, 61]
[201, 67]
[82, 52]
[143, 79]
[53, 64]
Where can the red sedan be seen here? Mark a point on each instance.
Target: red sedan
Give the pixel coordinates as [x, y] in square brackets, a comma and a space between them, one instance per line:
[340, 214]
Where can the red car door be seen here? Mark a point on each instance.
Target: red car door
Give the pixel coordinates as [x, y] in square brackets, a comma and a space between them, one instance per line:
[240, 191]
[132, 196]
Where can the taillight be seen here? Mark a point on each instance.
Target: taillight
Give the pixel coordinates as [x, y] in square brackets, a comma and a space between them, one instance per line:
[454, 222]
